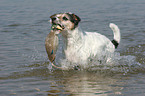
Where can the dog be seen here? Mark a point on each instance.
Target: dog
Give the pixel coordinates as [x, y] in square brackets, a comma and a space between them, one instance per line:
[80, 46]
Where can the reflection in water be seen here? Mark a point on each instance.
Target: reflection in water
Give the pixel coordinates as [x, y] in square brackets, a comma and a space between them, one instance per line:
[102, 80]
[90, 84]
[74, 83]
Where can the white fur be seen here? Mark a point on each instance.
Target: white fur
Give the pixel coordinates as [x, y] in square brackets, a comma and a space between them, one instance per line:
[80, 47]
[116, 31]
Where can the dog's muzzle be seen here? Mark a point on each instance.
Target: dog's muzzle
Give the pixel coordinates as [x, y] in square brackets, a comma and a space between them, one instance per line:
[56, 25]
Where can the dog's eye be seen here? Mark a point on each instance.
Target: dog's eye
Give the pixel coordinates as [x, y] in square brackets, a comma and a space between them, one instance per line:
[64, 18]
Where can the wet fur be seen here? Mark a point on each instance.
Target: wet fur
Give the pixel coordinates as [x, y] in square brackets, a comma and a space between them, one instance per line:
[80, 46]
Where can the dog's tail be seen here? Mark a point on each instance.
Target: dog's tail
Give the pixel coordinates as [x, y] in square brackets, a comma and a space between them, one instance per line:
[117, 35]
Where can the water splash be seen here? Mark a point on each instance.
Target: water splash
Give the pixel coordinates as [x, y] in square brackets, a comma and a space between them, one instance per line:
[113, 62]
[124, 62]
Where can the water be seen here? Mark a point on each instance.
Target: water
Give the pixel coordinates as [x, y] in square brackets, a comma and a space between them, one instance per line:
[23, 61]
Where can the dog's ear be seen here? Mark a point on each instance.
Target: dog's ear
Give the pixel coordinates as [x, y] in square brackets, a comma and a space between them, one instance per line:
[52, 16]
[74, 18]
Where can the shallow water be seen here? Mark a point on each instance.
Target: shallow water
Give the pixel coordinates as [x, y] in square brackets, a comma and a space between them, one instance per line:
[23, 61]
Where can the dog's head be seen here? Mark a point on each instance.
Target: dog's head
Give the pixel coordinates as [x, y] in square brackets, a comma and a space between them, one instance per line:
[67, 21]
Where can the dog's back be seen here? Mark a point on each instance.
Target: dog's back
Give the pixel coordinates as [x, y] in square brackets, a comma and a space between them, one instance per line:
[91, 44]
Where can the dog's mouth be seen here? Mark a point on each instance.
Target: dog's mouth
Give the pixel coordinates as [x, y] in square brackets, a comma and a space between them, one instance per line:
[57, 27]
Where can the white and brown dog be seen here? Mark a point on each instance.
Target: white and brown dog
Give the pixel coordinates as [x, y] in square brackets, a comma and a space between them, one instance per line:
[80, 46]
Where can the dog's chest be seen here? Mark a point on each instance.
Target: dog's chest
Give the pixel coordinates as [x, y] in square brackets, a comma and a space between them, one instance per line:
[75, 55]
[74, 50]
